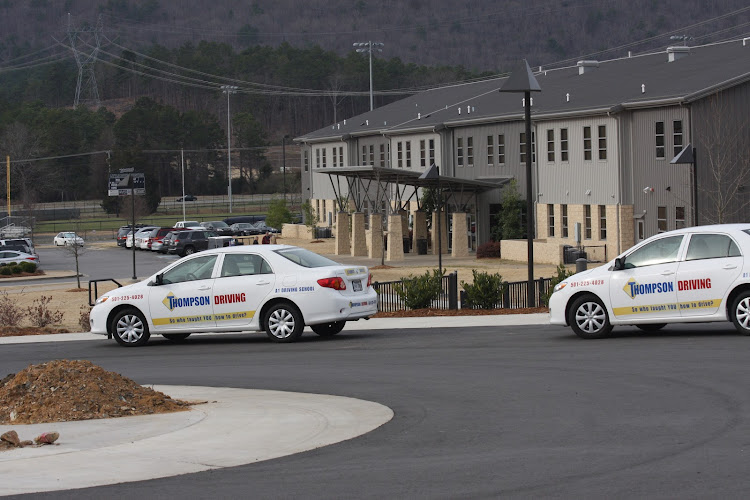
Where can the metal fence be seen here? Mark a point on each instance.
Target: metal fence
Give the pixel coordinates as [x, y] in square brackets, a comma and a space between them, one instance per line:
[514, 295]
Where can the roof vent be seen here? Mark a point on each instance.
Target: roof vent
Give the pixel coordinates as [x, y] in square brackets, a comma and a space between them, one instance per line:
[344, 122]
[586, 66]
[419, 116]
[675, 53]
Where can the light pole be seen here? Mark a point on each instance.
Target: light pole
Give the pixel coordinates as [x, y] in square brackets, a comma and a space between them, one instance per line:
[229, 89]
[689, 155]
[522, 80]
[283, 162]
[433, 174]
[369, 47]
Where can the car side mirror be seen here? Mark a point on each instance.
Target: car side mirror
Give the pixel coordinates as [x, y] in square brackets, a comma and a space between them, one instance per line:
[159, 280]
[619, 264]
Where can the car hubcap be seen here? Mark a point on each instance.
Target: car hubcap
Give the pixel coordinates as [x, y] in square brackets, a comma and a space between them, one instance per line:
[743, 313]
[281, 323]
[590, 317]
[130, 328]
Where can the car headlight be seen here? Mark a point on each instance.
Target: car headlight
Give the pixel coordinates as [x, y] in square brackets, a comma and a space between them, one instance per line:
[101, 300]
[559, 287]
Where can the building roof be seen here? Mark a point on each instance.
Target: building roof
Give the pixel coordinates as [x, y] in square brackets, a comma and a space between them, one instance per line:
[604, 87]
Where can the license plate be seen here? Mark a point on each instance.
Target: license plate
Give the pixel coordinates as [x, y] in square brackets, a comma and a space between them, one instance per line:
[357, 285]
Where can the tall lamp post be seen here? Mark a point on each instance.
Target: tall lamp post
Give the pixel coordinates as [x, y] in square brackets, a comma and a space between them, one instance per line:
[369, 47]
[283, 162]
[689, 155]
[433, 174]
[228, 90]
[522, 80]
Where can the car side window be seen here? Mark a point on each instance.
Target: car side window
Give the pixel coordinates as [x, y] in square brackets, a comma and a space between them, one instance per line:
[711, 246]
[661, 251]
[244, 264]
[199, 268]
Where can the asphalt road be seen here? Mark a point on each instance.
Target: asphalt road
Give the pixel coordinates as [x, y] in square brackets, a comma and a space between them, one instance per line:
[522, 412]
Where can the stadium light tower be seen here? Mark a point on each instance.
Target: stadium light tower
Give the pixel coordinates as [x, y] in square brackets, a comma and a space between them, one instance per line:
[369, 47]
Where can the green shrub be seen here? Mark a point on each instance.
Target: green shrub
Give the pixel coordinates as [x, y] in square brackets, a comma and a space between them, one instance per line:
[486, 291]
[489, 250]
[562, 273]
[418, 292]
[15, 268]
[28, 267]
[5, 271]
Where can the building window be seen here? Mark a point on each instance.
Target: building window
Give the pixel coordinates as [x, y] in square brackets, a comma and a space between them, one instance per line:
[677, 136]
[388, 153]
[470, 151]
[400, 154]
[341, 155]
[490, 150]
[364, 155]
[551, 145]
[661, 218]
[551, 220]
[563, 144]
[523, 147]
[660, 140]
[501, 149]
[422, 154]
[408, 154]
[333, 157]
[586, 143]
[460, 151]
[317, 158]
[602, 222]
[306, 160]
[679, 217]
[432, 152]
[564, 217]
[382, 155]
[372, 155]
[587, 221]
[324, 158]
[602, 142]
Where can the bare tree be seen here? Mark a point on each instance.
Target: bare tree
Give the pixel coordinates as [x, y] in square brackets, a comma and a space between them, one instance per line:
[75, 249]
[30, 178]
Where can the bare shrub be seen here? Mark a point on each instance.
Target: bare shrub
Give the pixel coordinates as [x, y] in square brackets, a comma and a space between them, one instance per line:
[83, 318]
[10, 313]
[41, 315]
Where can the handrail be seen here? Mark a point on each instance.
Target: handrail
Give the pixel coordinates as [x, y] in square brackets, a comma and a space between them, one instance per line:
[96, 290]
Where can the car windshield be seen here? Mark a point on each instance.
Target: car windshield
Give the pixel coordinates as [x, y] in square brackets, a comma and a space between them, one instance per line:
[306, 258]
[68, 235]
[219, 224]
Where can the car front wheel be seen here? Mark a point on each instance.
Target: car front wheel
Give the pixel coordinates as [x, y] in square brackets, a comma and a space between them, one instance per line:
[129, 328]
[283, 323]
[588, 318]
[328, 329]
[740, 312]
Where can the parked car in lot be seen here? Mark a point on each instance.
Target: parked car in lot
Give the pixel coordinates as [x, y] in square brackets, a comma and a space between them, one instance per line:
[21, 244]
[67, 238]
[244, 229]
[219, 227]
[252, 219]
[235, 289]
[691, 275]
[190, 241]
[261, 226]
[155, 237]
[11, 256]
[186, 224]
[188, 197]
[122, 234]
[140, 235]
[163, 245]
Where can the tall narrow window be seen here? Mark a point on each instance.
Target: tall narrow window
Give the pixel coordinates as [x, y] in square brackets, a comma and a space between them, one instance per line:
[372, 155]
[661, 218]
[334, 158]
[364, 155]
[460, 151]
[501, 149]
[523, 147]
[400, 154]
[382, 155]
[432, 151]
[422, 154]
[563, 144]
[550, 220]
[341, 155]
[564, 221]
[389, 160]
[602, 142]
[306, 160]
[587, 221]
[602, 222]
[677, 136]
[551, 145]
[408, 154]
[470, 151]
[660, 140]
[586, 143]
[317, 158]
[679, 217]
[325, 163]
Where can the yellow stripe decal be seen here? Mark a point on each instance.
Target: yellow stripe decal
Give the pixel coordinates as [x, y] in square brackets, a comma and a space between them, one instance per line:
[202, 318]
[657, 308]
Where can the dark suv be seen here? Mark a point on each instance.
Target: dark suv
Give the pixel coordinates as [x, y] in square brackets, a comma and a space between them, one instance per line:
[188, 242]
[218, 226]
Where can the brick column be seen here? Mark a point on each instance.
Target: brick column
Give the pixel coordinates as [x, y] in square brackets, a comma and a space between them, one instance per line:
[419, 231]
[375, 242]
[359, 244]
[460, 237]
[395, 239]
[341, 233]
[443, 233]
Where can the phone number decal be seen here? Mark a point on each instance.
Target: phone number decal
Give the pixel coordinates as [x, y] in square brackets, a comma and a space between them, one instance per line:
[127, 297]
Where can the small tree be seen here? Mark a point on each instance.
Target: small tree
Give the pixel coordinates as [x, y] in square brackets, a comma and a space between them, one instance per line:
[76, 250]
[278, 213]
[508, 220]
[309, 215]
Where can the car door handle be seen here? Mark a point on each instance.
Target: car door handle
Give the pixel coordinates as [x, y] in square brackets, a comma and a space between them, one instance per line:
[263, 283]
[730, 266]
[667, 273]
[204, 287]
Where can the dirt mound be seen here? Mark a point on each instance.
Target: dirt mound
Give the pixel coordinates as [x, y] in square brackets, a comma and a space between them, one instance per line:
[66, 390]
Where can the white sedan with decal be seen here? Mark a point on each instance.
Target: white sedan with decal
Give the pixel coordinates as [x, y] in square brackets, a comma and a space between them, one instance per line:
[276, 288]
[696, 274]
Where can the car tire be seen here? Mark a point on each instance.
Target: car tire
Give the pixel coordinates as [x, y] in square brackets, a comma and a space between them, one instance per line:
[283, 322]
[328, 329]
[651, 327]
[588, 318]
[129, 328]
[188, 251]
[175, 337]
[740, 312]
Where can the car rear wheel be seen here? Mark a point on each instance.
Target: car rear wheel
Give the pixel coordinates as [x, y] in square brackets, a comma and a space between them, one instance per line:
[283, 323]
[130, 328]
[740, 312]
[328, 329]
[652, 327]
[588, 318]
[188, 251]
[175, 337]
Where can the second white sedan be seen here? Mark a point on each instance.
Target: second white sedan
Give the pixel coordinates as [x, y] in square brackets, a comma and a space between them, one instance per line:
[276, 288]
[67, 239]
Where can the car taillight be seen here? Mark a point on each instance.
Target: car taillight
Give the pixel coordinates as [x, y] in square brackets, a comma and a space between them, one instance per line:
[335, 283]
[369, 280]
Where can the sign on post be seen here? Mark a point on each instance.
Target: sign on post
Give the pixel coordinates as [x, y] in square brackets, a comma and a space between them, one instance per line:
[119, 184]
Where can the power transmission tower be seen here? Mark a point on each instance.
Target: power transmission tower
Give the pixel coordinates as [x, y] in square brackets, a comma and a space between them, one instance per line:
[86, 89]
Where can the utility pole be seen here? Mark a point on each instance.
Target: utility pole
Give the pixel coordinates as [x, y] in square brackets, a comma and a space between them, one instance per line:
[229, 89]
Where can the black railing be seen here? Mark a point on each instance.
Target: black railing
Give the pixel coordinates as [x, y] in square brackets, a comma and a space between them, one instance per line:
[514, 294]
